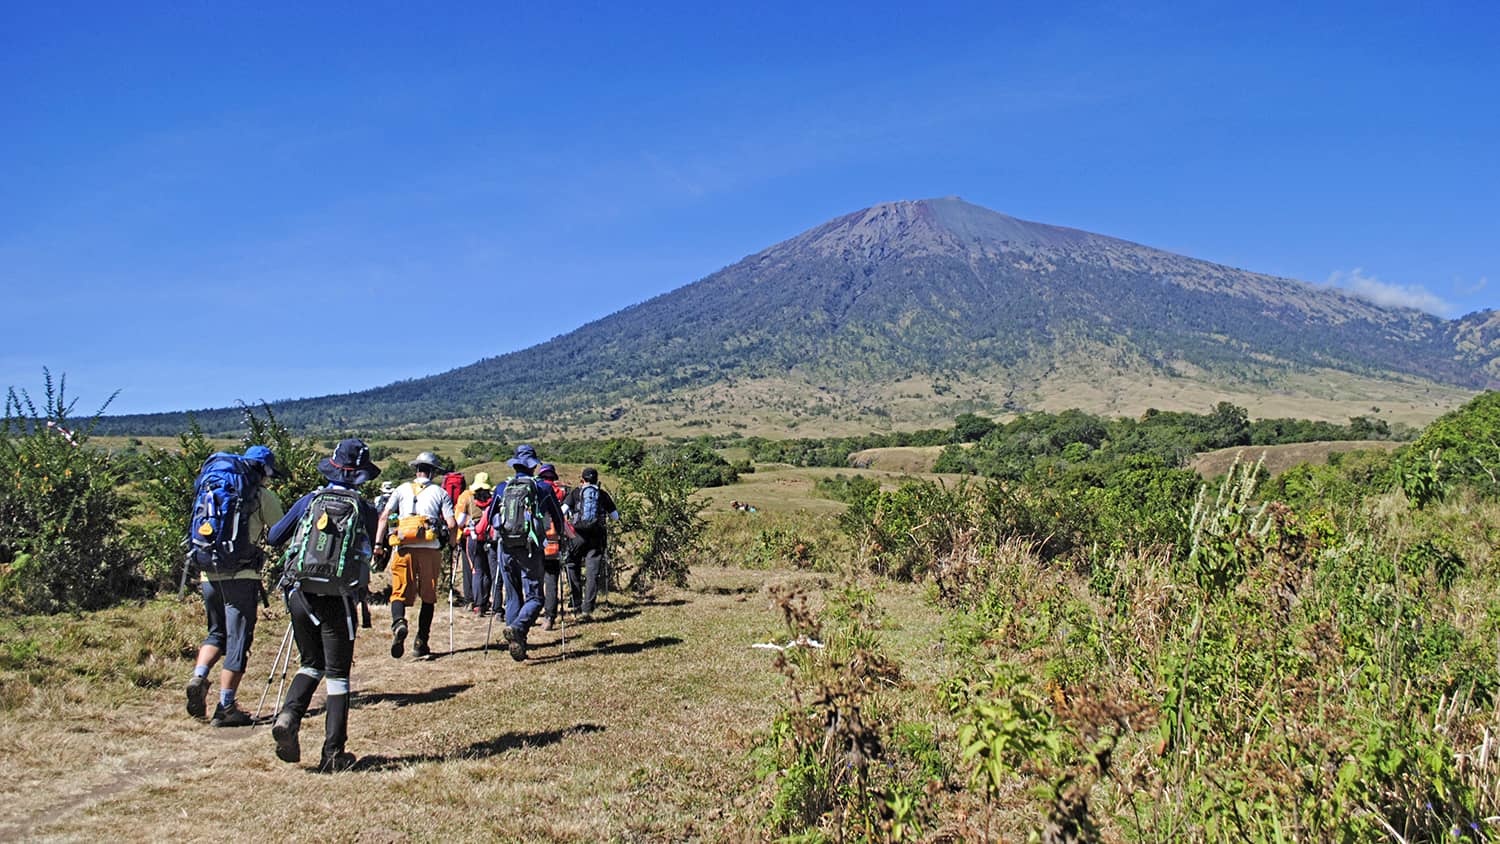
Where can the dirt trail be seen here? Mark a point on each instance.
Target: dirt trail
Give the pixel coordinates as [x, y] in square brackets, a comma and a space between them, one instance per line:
[637, 730]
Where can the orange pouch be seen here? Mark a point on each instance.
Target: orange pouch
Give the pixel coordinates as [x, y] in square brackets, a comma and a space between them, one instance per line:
[411, 529]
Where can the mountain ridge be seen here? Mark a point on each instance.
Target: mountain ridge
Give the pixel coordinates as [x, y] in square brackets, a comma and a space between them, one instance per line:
[937, 289]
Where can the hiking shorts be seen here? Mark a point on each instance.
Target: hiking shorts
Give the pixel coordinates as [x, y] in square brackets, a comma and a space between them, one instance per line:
[230, 606]
[414, 574]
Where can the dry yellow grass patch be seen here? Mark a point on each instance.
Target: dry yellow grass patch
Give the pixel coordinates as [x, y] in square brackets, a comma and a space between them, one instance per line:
[639, 734]
[1280, 458]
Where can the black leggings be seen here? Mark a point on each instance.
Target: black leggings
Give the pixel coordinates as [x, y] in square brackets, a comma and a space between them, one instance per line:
[324, 628]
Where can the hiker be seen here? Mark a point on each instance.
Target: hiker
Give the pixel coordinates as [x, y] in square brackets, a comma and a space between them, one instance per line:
[588, 507]
[232, 507]
[423, 509]
[326, 566]
[552, 545]
[386, 488]
[457, 487]
[516, 520]
[481, 551]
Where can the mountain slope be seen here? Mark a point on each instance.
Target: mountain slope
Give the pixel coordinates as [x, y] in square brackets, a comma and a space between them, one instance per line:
[925, 294]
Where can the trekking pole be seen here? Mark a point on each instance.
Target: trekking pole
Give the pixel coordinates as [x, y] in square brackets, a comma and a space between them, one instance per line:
[562, 613]
[187, 563]
[451, 577]
[285, 642]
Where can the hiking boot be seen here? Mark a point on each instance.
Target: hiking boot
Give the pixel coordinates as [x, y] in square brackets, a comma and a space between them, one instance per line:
[398, 639]
[332, 763]
[197, 690]
[421, 651]
[547, 624]
[230, 716]
[517, 641]
[508, 633]
[288, 748]
[584, 618]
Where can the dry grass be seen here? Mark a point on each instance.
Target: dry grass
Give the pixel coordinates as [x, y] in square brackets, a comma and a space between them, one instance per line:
[640, 734]
[1279, 458]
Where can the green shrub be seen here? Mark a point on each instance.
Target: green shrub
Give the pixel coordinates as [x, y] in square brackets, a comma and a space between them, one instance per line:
[661, 523]
[61, 510]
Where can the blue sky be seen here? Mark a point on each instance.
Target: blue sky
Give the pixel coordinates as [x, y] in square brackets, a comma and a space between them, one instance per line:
[211, 202]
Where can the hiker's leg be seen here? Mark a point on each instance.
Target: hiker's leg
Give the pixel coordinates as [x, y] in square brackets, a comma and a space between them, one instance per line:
[466, 563]
[510, 569]
[550, 569]
[530, 566]
[428, 563]
[213, 609]
[575, 576]
[309, 637]
[593, 562]
[338, 652]
[404, 589]
[240, 599]
[288, 724]
[475, 586]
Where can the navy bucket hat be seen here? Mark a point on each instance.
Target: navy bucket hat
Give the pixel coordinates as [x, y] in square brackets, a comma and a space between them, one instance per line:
[350, 464]
[525, 458]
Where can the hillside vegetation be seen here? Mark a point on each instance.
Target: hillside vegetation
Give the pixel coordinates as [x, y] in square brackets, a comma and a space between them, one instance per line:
[1072, 637]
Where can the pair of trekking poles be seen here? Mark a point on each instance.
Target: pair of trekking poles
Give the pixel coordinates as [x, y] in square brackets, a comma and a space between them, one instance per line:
[284, 659]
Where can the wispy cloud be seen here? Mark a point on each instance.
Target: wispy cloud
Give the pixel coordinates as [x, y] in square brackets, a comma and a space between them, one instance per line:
[1370, 288]
[1471, 289]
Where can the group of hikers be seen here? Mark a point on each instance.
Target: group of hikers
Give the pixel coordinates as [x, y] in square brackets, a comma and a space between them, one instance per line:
[513, 542]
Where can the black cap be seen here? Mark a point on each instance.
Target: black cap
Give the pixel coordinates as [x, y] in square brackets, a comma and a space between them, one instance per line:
[591, 475]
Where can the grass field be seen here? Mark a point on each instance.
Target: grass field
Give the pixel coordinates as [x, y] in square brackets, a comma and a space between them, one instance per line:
[1280, 458]
[640, 732]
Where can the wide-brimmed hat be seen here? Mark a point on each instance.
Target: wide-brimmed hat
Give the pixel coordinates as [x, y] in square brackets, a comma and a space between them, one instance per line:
[387, 486]
[264, 456]
[482, 481]
[525, 458]
[547, 471]
[426, 458]
[350, 464]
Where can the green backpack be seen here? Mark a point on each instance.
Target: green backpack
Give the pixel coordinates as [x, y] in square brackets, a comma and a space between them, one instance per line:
[328, 554]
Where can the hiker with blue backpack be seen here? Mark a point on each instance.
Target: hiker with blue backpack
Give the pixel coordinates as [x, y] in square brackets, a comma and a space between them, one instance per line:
[232, 506]
[329, 537]
[589, 508]
[516, 519]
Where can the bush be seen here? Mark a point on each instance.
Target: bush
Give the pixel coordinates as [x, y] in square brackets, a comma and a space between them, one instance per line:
[662, 524]
[61, 510]
[1468, 443]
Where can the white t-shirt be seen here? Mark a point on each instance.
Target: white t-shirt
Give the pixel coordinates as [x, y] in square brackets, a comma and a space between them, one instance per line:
[422, 497]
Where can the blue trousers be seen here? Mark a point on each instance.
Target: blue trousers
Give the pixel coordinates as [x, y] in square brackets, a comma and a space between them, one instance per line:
[522, 573]
[483, 581]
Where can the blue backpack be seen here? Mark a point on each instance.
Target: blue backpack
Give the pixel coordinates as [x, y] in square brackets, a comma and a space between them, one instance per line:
[588, 516]
[224, 496]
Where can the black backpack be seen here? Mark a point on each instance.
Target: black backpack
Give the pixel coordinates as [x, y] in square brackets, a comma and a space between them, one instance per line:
[327, 555]
[224, 496]
[518, 522]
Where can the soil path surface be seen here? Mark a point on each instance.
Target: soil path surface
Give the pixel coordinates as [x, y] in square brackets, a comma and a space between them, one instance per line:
[637, 730]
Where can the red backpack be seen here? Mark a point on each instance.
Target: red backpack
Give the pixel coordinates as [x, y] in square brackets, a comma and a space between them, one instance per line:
[454, 484]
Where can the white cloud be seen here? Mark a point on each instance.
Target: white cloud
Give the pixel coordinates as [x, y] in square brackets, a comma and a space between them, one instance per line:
[1370, 288]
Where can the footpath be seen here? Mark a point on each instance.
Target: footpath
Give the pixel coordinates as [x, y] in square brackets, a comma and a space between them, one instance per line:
[637, 730]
